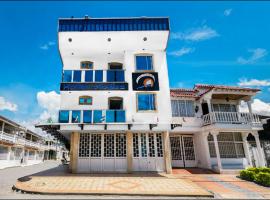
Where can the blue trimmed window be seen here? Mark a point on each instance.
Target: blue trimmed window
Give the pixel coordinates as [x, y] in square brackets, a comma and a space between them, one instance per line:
[63, 116]
[77, 74]
[146, 102]
[76, 116]
[99, 76]
[87, 116]
[144, 63]
[67, 76]
[115, 76]
[86, 65]
[89, 76]
[85, 100]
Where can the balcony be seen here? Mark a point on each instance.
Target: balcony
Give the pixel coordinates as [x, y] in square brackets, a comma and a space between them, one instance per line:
[92, 116]
[231, 118]
[15, 139]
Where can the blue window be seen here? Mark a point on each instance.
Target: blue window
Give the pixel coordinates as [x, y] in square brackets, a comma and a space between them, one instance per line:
[98, 76]
[77, 76]
[146, 102]
[87, 116]
[86, 65]
[89, 76]
[144, 63]
[63, 116]
[67, 76]
[76, 116]
[85, 100]
[98, 118]
[115, 76]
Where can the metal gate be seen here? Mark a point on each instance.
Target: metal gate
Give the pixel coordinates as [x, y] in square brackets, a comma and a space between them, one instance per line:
[148, 152]
[182, 151]
[102, 152]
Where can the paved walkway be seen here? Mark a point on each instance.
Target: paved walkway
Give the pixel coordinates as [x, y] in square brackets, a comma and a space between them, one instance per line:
[125, 185]
[224, 186]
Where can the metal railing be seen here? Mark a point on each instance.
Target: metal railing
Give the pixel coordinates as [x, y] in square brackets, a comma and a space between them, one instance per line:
[15, 139]
[230, 118]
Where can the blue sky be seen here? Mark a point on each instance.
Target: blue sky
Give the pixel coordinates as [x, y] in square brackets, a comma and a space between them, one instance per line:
[211, 42]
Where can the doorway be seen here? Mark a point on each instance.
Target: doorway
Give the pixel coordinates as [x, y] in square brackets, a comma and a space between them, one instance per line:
[182, 151]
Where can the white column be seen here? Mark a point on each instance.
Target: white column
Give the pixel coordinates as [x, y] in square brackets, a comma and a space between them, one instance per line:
[206, 149]
[249, 106]
[217, 150]
[260, 150]
[209, 105]
[167, 152]
[246, 149]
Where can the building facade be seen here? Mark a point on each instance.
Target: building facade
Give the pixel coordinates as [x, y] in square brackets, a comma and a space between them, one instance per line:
[118, 111]
[18, 145]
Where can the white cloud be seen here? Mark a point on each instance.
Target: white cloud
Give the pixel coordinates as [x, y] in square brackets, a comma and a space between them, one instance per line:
[47, 45]
[256, 54]
[50, 101]
[196, 34]
[181, 51]
[258, 106]
[6, 105]
[51, 43]
[254, 82]
[227, 12]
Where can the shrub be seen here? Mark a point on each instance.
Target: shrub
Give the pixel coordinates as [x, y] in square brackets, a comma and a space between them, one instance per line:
[263, 179]
[254, 169]
[247, 175]
[265, 169]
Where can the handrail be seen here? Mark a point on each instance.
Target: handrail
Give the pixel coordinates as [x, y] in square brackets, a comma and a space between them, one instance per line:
[19, 140]
[230, 118]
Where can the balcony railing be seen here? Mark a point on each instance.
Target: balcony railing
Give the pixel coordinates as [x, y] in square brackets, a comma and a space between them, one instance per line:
[15, 139]
[231, 118]
[92, 116]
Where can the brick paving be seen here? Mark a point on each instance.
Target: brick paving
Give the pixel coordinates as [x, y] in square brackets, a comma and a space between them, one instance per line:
[225, 186]
[161, 186]
[222, 186]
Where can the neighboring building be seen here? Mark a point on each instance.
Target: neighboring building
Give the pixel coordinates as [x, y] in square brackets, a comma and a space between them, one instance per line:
[264, 136]
[213, 132]
[20, 146]
[116, 103]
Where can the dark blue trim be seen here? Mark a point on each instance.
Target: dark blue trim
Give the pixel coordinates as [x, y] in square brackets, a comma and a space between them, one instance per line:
[131, 24]
[93, 86]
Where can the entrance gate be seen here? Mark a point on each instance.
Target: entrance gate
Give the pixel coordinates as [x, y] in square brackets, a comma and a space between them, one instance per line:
[102, 152]
[182, 151]
[148, 152]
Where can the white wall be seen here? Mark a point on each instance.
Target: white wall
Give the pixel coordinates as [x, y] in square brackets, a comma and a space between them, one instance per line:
[69, 99]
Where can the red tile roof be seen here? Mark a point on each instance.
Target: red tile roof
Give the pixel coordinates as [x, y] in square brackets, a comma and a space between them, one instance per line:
[225, 87]
[179, 92]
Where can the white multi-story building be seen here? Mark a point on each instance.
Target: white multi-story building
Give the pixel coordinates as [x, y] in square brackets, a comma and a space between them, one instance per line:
[116, 106]
[18, 145]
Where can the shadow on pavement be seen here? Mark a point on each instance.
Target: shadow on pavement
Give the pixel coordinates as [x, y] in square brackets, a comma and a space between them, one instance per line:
[63, 170]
